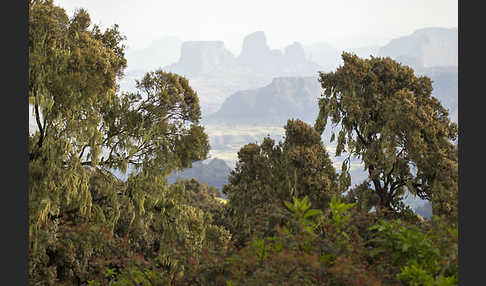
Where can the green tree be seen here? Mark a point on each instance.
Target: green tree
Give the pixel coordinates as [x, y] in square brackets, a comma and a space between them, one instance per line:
[86, 130]
[306, 165]
[72, 86]
[203, 197]
[268, 174]
[388, 118]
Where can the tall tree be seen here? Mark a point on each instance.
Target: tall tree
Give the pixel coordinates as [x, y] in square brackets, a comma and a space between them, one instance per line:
[83, 121]
[86, 130]
[388, 118]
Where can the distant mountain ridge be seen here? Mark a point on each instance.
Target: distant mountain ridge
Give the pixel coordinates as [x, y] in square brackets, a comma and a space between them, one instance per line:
[427, 47]
[282, 99]
[160, 52]
[215, 73]
[259, 58]
[424, 48]
[206, 57]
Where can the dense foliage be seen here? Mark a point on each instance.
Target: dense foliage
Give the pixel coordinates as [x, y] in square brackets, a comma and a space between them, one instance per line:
[289, 217]
[266, 175]
[388, 118]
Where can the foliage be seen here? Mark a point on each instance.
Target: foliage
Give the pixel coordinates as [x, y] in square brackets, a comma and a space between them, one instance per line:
[78, 211]
[203, 197]
[298, 166]
[388, 118]
[287, 220]
[286, 258]
[425, 256]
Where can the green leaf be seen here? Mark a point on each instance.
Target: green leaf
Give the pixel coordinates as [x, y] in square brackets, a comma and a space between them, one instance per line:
[377, 250]
[312, 212]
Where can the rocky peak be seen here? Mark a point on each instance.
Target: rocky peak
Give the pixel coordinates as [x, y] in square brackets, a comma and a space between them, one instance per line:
[254, 43]
[295, 53]
[255, 52]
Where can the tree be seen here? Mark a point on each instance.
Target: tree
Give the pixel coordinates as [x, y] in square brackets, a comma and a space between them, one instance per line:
[307, 166]
[72, 86]
[388, 118]
[268, 174]
[87, 130]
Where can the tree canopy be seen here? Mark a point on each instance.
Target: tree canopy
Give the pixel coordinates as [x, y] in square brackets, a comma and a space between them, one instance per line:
[87, 130]
[388, 118]
[268, 173]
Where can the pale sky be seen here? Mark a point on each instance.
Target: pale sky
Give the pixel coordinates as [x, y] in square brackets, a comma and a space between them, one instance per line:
[341, 23]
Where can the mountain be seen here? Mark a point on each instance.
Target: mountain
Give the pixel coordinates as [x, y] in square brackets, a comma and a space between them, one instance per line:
[425, 210]
[213, 173]
[275, 103]
[259, 58]
[445, 87]
[425, 48]
[329, 58]
[428, 47]
[215, 73]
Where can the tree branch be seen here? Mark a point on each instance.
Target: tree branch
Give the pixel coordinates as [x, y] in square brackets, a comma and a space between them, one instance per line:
[82, 151]
[388, 176]
[39, 125]
[366, 143]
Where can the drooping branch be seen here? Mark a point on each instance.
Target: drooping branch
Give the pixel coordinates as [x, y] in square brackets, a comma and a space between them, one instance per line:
[74, 210]
[107, 162]
[364, 141]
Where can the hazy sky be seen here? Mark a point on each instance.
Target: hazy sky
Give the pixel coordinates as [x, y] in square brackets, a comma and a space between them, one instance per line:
[342, 23]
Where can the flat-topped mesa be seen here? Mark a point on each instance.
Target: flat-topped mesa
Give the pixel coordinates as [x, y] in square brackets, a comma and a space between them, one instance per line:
[198, 57]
